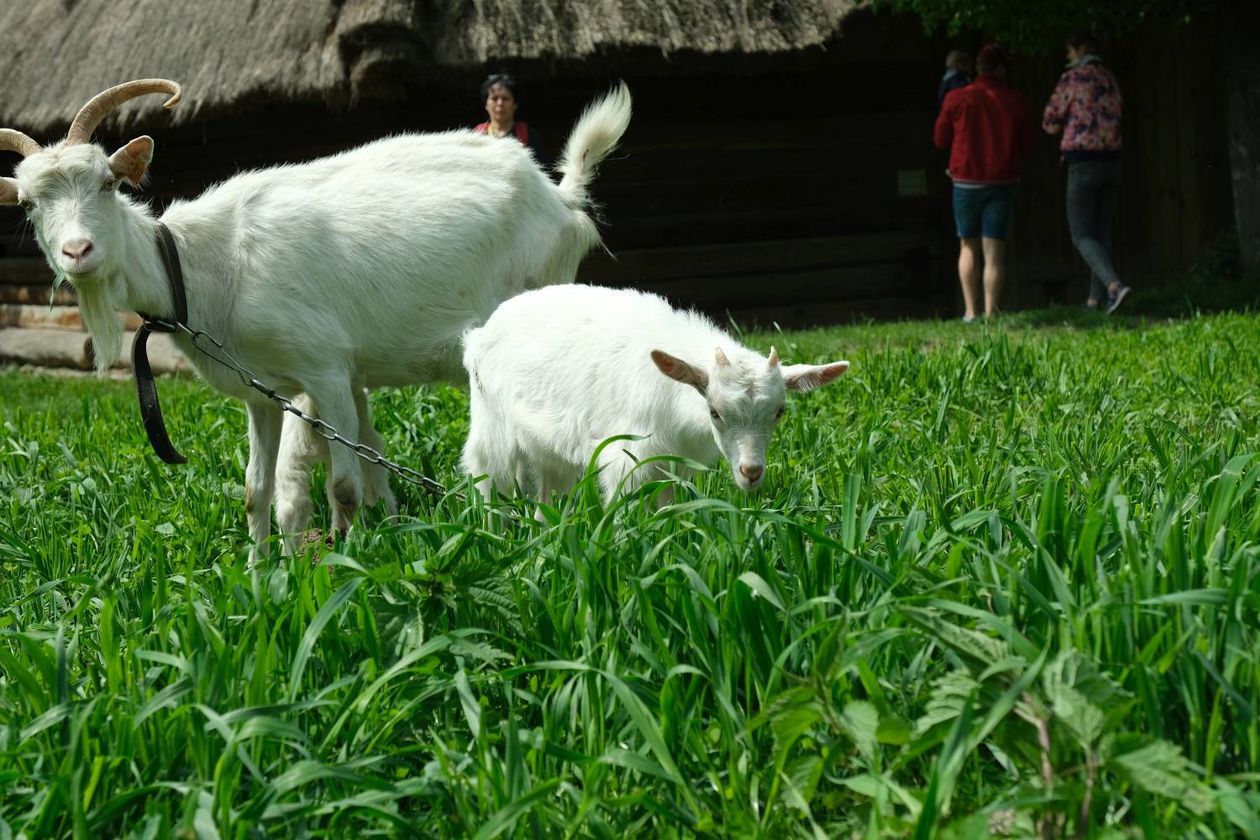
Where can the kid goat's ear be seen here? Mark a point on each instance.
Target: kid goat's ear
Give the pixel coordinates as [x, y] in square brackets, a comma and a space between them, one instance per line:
[131, 162]
[809, 377]
[676, 368]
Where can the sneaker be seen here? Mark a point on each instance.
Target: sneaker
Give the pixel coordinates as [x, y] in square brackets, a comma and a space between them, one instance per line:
[968, 319]
[1113, 303]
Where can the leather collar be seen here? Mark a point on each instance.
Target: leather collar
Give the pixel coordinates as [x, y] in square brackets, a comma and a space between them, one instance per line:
[146, 387]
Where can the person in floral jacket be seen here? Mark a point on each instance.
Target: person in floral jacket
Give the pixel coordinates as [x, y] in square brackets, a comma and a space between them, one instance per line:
[1085, 108]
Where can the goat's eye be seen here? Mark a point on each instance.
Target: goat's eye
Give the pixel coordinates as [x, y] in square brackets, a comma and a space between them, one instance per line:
[717, 418]
[109, 185]
[26, 204]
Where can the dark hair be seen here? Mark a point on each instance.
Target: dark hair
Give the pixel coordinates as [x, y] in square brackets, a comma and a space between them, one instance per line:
[991, 58]
[504, 79]
[959, 60]
[1082, 38]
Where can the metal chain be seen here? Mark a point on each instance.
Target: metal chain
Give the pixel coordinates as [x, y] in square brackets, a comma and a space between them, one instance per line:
[321, 428]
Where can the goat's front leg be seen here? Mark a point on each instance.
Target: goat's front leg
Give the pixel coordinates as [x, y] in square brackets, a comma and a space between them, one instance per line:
[264, 442]
[334, 403]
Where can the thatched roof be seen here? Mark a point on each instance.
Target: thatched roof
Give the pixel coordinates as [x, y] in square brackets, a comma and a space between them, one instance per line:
[474, 31]
[55, 54]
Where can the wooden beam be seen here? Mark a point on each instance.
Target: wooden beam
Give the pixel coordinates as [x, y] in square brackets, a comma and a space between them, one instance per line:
[59, 317]
[54, 348]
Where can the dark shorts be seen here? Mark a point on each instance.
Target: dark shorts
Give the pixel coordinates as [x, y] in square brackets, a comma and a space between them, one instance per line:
[983, 211]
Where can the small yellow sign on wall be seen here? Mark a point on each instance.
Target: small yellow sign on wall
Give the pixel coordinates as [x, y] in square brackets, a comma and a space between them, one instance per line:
[911, 182]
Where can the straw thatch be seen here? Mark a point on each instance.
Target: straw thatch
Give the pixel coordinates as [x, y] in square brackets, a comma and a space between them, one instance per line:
[475, 31]
[55, 54]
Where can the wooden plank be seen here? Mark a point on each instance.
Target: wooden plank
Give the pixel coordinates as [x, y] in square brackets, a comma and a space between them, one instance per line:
[36, 295]
[625, 231]
[25, 271]
[800, 315]
[69, 349]
[820, 158]
[764, 161]
[635, 266]
[769, 189]
[653, 140]
[44, 348]
[57, 317]
[747, 291]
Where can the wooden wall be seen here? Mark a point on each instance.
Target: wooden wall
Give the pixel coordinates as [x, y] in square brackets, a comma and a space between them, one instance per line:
[797, 188]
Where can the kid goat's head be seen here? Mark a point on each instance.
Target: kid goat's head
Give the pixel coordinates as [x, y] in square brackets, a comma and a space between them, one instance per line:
[69, 193]
[746, 400]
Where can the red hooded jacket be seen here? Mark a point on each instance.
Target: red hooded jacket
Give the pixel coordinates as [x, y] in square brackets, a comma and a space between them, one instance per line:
[987, 129]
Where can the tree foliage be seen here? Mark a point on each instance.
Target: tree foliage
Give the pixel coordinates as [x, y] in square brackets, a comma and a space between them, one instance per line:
[1039, 25]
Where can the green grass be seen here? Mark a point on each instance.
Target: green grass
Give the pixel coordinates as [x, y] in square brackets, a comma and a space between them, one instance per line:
[998, 581]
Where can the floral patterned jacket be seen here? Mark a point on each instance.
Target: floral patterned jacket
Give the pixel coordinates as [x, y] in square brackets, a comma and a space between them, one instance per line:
[1085, 107]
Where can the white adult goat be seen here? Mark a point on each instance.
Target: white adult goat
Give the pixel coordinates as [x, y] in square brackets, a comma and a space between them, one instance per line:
[356, 270]
[556, 371]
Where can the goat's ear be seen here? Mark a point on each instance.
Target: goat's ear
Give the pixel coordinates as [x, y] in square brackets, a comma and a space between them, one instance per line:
[131, 162]
[8, 192]
[809, 377]
[676, 368]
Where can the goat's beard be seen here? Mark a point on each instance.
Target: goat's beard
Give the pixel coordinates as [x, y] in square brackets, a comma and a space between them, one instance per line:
[100, 316]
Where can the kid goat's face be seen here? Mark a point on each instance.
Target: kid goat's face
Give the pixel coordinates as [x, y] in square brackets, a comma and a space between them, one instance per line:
[746, 400]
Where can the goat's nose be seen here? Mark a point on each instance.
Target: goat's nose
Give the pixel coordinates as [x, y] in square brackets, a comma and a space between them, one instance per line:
[76, 249]
[752, 473]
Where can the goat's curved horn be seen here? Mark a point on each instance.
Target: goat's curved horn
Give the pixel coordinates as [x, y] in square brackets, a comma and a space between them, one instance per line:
[16, 141]
[99, 106]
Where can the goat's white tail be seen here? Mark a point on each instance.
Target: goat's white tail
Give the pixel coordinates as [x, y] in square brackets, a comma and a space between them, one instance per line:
[596, 134]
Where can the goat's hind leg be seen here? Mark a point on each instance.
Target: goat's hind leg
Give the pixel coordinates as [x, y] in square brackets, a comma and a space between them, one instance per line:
[488, 451]
[375, 477]
[485, 460]
[334, 403]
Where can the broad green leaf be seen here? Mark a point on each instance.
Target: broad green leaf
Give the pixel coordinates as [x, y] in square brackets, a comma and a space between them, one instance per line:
[860, 721]
[1160, 767]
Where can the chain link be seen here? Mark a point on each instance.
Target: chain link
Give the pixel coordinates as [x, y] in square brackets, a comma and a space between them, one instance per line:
[249, 380]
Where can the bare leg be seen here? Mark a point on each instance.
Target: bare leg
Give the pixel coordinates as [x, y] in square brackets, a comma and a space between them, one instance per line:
[994, 273]
[260, 473]
[969, 274]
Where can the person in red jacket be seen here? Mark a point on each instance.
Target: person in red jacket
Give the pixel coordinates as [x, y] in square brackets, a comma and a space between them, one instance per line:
[988, 131]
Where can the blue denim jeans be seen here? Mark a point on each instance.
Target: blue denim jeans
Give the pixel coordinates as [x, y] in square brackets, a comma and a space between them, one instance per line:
[1092, 189]
[983, 211]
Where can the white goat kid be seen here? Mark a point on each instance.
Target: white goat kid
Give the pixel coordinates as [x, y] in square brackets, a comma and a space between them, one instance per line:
[556, 371]
[353, 271]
